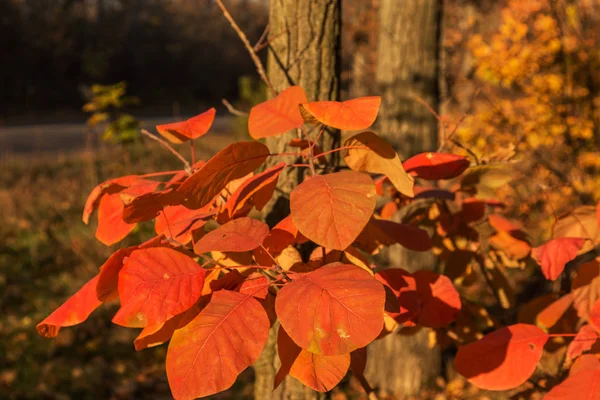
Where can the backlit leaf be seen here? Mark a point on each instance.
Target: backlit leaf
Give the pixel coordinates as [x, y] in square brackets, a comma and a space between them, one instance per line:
[582, 222]
[440, 302]
[378, 157]
[503, 359]
[155, 284]
[333, 310]
[242, 234]
[111, 227]
[233, 162]
[319, 372]
[435, 166]
[193, 128]
[332, 210]
[278, 115]
[178, 222]
[554, 255]
[583, 381]
[72, 312]
[109, 187]
[206, 356]
[348, 115]
[552, 313]
[585, 339]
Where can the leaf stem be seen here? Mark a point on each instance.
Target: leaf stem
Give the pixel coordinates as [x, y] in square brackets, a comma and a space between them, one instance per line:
[340, 149]
[160, 173]
[188, 168]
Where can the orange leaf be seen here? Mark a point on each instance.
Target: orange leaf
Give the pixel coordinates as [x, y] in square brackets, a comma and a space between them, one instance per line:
[193, 128]
[583, 381]
[179, 222]
[411, 237]
[551, 314]
[278, 115]
[554, 255]
[148, 205]
[435, 166]
[255, 285]
[585, 339]
[379, 157]
[72, 312]
[155, 284]
[503, 359]
[107, 288]
[242, 234]
[513, 247]
[348, 115]
[206, 356]
[404, 306]
[109, 187]
[333, 310]
[233, 162]
[388, 210]
[111, 227]
[248, 194]
[332, 210]
[318, 372]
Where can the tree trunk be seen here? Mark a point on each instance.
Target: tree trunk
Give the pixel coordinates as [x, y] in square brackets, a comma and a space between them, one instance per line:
[305, 51]
[407, 69]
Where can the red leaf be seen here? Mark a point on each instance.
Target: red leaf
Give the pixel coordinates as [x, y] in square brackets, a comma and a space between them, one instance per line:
[503, 359]
[111, 227]
[332, 210]
[440, 302]
[554, 255]
[404, 288]
[585, 339]
[156, 284]
[595, 315]
[473, 209]
[109, 187]
[233, 162]
[148, 205]
[348, 115]
[242, 234]
[278, 115]
[72, 312]
[206, 356]
[409, 236]
[248, 194]
[435, 166]
[107, 288]
[179, 222]
[255, 285]
[319, 372]
[388, 210]
[333, 310]
[358, 361]
[193, 128]
[551, 314]
[583, 381]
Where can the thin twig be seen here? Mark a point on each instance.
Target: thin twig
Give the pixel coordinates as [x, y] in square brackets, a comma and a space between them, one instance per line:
[188, 168]
[260, 40]
[233, 110]
[367, 387]
[259, 66]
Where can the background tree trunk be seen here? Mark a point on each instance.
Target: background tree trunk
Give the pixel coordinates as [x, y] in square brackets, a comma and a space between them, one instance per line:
[305, 51]
[407, 68]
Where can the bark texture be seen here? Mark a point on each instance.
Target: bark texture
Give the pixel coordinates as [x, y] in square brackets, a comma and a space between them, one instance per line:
[407, 69]
[305, 51]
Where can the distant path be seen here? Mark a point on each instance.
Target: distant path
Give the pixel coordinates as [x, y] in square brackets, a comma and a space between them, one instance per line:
[61, 137]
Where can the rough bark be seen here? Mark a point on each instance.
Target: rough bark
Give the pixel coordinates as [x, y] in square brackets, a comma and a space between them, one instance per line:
[305, 51]
[407, 69]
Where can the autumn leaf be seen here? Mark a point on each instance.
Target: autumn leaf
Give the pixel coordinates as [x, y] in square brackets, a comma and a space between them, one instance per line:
[109, 187]
[111, 227]
[179, 222]
[233, 162]
[318, 372]
[242, 234]
[206, 356]
[585, 339]
[72, 312]
[193, 128]
[379, 157]
[440, 302]
[436, 166]
[503, 359]
[331, 210]
[554, 255]
[333, 310]
[582, 383]
[348, 115]
[155, 284]
[278, 115]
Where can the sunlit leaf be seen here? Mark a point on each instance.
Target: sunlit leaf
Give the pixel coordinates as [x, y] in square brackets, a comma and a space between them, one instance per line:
[348, 115]
[333, 310]
[278, 115]
[193, 128]
[233, 162]
[440, 302]
[503, 359]
[554, 255]
[436, 166]
[242, 234]
[583, 381]
[109, 187]
[332, 210]
[111, 227]
[155, 284]
[179, 222]
[206, 356]
[72, 312]
[379, 157]
[585, 339]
